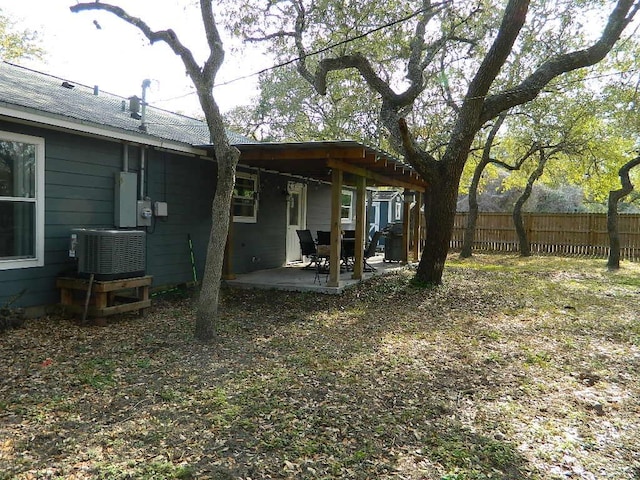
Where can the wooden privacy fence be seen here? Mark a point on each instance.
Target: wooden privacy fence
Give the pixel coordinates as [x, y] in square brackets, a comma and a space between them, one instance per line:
[563, 234]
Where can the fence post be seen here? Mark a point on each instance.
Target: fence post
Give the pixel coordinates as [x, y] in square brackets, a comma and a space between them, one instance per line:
[591, 235]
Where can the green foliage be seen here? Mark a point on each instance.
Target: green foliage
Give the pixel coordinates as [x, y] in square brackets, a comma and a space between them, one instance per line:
[385, 33]
[15, 44]
[581, 172]
[97, 373]
[288, 109]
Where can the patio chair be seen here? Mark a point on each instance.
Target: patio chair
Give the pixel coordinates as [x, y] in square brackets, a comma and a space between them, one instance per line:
[324, 253]
[348, 251]
[308, 248]
[370, 251]
[324, 237]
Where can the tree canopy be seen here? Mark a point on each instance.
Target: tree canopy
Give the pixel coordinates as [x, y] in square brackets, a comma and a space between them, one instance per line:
[16, 43]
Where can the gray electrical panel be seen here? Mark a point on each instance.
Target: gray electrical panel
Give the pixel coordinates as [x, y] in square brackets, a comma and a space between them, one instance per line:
[126, 192]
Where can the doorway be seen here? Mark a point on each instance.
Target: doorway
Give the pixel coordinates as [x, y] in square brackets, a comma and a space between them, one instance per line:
[296, 219]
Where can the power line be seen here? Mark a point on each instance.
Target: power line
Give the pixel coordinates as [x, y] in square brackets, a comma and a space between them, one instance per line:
[312, 53]
[328, 47]
[359, 37]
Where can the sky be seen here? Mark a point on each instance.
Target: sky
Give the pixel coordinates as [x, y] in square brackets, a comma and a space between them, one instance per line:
[117, 57]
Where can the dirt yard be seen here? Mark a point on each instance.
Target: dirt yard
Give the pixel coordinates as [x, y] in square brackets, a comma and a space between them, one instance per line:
[514, 368]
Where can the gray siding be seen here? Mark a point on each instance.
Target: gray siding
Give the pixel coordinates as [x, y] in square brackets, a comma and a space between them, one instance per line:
[261, 245]
[318, 208]
[187, 186]
[79, 193]
[79, 190]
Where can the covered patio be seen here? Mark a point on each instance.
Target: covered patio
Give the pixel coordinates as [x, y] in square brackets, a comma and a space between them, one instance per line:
[339, 164]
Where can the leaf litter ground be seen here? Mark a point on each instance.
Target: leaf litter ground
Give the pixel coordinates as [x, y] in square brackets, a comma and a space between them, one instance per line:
[515, 368]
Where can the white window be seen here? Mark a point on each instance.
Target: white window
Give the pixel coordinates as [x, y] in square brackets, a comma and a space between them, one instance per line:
[245, 198]
[21, 201]
[398, 212]
[346, 206]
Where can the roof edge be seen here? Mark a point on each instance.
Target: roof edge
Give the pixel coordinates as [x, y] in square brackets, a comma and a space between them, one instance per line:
[38, 117]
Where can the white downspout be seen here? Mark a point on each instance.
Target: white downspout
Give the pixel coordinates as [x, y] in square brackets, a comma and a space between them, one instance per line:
[125, 157]
[143, 152]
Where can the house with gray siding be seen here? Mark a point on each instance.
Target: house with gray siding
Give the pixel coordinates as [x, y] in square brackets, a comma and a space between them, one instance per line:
[74, 157]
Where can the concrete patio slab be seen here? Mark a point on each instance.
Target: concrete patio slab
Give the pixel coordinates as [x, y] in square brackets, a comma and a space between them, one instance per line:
[294, 278]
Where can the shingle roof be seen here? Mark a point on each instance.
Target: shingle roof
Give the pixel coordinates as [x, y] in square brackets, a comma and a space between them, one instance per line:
[30, 90]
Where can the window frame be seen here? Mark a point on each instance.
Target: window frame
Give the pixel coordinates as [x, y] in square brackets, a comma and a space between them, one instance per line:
[397, 210]
[246, 218]
[348, 219]
[39, 200]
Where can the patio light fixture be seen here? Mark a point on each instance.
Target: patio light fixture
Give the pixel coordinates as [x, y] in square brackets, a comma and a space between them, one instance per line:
[409, 196]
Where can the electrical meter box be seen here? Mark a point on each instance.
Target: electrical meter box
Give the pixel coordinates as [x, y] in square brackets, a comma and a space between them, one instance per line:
[144, 213]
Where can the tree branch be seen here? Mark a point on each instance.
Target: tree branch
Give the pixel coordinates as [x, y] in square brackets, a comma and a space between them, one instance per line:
[270, 36]
[216, 50]
[514, 17]
[533, 149]
[468, 121]
[623, 173]
[529, 89]
[419, 159]
[167, 36]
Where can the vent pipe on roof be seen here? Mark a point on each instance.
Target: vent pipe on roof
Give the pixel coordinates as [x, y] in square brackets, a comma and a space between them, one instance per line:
[134, 107]
[146, 83]
[96, 90]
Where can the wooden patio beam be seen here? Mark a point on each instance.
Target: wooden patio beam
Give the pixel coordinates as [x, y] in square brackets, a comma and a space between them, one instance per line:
[369, 175]
[299, 154]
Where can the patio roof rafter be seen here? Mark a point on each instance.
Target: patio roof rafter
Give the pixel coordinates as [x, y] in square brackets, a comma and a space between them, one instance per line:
[370, 175]
[316, 160]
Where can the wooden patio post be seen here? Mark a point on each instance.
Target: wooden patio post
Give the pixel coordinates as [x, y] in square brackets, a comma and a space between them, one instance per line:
[361, 215]
[406, 209]
[416, 227]
[336, 228]
[227, 264]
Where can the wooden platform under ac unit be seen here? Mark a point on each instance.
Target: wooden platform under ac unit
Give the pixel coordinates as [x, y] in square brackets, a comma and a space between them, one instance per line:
[107, 297]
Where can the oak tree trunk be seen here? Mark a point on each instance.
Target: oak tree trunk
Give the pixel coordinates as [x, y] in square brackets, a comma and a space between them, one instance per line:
[472, 219]
[207, 305]
[227, 157]
[440, 210]
[613, 262]
[203, 78]
[521, 232]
